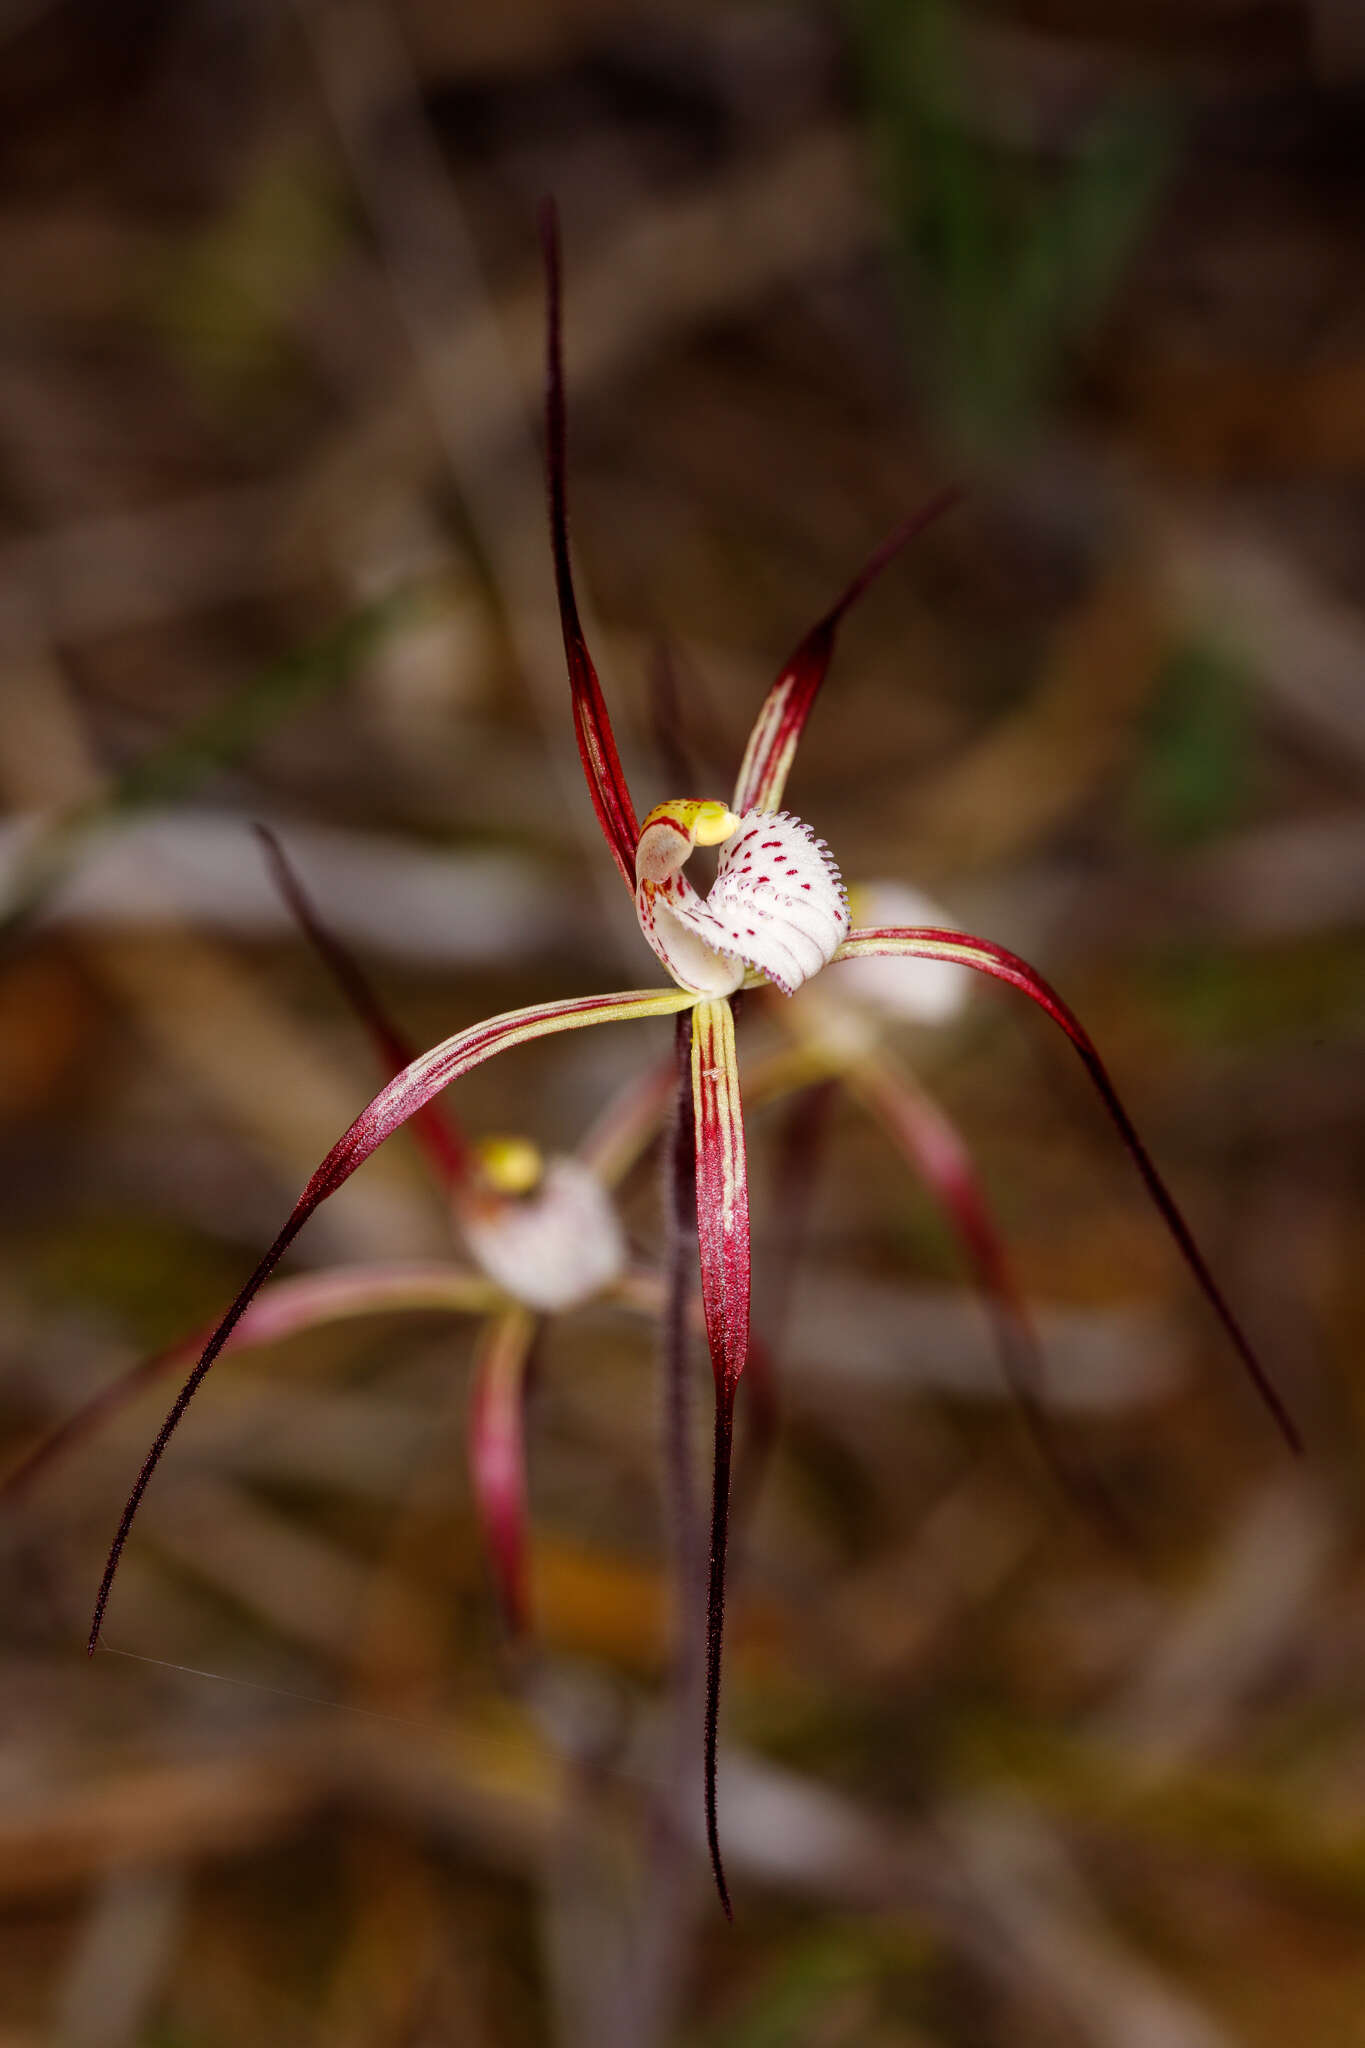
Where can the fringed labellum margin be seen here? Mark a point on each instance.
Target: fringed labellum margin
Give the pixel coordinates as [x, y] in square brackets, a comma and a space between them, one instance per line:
[777, 908]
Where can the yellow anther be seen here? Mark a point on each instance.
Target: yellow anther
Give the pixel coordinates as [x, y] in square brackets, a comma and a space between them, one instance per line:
[713, 824]
[672, 829]
[513, 1166]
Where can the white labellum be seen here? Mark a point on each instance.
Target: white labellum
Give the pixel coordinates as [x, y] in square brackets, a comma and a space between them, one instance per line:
[777, 906]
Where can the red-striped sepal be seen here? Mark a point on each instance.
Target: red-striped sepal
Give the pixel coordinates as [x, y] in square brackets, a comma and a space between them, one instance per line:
[592, 727]
[782, 718]
[931, 1143]
[497, 1455]
[925, 943]
[723, 1235]
[441, 1138]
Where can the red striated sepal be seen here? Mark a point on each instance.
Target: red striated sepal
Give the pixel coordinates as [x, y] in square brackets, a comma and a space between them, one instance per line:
[497, 1455]
[928, 944]
[306, 1301]
[723, 1235]
[722, 1190]
[444, 1143]
[782, 717]
[407, 1093]
[592, 726]
[929, 1140]
[934, 1147]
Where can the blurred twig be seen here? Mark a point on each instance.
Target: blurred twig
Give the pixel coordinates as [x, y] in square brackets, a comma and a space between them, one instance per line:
[104, 575]
[1007, 263]
[123, 1955]
[203, 1009]
[433, 274]
[189, 757]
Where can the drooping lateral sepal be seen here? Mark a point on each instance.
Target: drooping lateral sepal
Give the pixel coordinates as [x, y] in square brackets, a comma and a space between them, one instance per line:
[782, 717]
[592, 726]
[497, 1455]
[927, 1138]
[441, 1138]
[305, 1301]
[961, 947]
[391, 1108]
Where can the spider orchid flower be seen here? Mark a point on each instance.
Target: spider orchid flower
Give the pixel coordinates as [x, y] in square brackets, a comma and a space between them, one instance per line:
[776, 915]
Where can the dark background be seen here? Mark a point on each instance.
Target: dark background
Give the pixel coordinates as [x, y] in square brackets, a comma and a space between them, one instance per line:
[272, 546]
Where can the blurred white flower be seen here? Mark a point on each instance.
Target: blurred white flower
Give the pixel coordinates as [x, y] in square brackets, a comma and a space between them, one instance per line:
[552, 1244]
[920, 991]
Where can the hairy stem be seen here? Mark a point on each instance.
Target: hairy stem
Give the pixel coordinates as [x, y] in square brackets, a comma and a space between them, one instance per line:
[715, 1629]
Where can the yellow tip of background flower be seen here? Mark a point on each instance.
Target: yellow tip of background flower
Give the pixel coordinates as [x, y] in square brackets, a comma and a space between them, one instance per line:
[513, 1166]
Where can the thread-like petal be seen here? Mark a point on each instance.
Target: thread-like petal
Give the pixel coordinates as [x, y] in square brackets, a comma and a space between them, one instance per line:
[592, 726]
[402, 1098]
[443, 1142]
[926, 1137]
[782, 717]
[967, 951]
